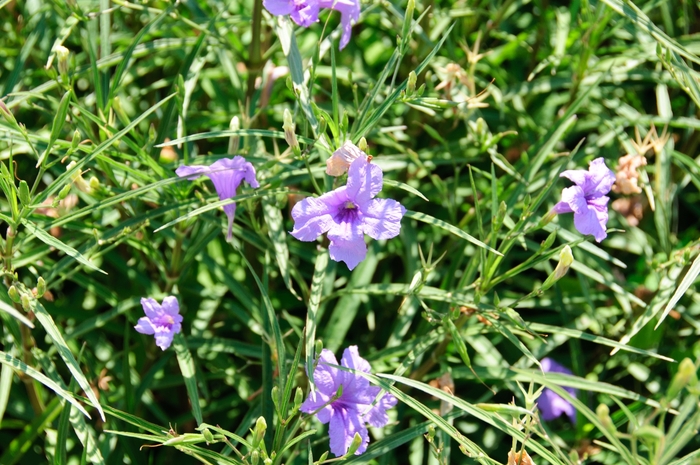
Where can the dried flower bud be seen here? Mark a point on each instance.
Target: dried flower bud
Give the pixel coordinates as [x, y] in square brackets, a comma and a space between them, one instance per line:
[78, 180]
[234, 141]
[566, 258]
[289, 134]
[340, 161]
[62, 55]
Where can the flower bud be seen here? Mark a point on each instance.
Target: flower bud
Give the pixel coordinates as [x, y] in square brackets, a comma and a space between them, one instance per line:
[255, 457]
[94, 183]
[276, 397]
[298, 398]
[289, 134]
[24, 196]
[323, 457]
[78, 180]
[26, 303]
[62, 56]
[259, 431]
[411, 86]
[40, 287]
[566, 258]
[208, 437]
[63, 193]
[603, 413]
[7, 113]
[233, 141]
[75, 142]
[354, 445]
[686, 375]
[547, 243]
[318, 347]
[14, 295]
[362, 144]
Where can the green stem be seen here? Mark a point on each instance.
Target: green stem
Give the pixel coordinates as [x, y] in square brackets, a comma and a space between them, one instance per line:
[254, 56]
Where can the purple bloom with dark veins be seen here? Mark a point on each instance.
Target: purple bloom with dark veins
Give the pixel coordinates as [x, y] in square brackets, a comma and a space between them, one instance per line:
[587, 199]
[348, 213]
[349, 412]
[164, 321]
[305, 12]
[552, 405]
[226, 174]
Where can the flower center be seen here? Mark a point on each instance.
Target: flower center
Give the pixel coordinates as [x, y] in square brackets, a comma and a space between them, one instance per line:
[347, 213]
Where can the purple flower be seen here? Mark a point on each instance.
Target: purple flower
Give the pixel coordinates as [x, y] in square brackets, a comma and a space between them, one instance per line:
[226, 174]
[305, 12]
[348, 213]
[587, 199]
[349, 12]
[552, 405]
[162, 320]
[348, 412]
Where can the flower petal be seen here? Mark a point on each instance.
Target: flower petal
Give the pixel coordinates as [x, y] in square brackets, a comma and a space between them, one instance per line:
[601, 179]
[364, 181]
[344, 424]
[579, 177]
[382, 218]
[552, 405]
[307, 15]
[314, 216]
[377, 415]
[192, 172]
[164, 337]
[151, 308]
[347, 243]
[144, 326]
[279, 7]
[349, 13]
[318, 402]
[572, 200]
[550, 366]
[327, 378]
[588, 222]
[171, 307]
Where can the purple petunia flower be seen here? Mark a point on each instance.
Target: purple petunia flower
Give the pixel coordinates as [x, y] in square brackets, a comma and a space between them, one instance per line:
[348, 213]
[587, 199]
[162, 320]
[552, 405]
[226, 174]
[348, 413]
[305, 12]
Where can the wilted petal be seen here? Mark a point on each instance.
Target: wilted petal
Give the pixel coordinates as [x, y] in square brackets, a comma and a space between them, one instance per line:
[340, 161]
[364, 181]
[382, 218]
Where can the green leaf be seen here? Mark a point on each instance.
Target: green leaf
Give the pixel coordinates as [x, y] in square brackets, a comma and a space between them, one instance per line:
[51, 241]
[60, 344]
[449, 228]
[278, 237]
[315, 296]
[184, 359]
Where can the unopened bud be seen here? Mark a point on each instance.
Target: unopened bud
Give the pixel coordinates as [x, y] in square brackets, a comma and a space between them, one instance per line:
[7, 113]
[298, 398]
[255, 457]
[75, 142]
[63, 193]
[233, 141]
[687, 374]
[26, 302]
[94, 183]
[276, 397]
[289, 134]
[259, 431]
[62, 56]
[354, 445]
[547, 243]
[566, 258]
[546, 219]
[362, 144]
[78, 180]
[411, 86]
[40, 287]
[14, 295]
[24, 196]
[318, 347]
[603, 413]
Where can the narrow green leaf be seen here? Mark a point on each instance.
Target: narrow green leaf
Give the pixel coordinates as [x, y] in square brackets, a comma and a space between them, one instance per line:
[449, 228]
[57, 126]
[184, 359]
[9, 309]
[690, 276]
[317, 281]
[49, 240]
[60, 344]
[278, 237]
